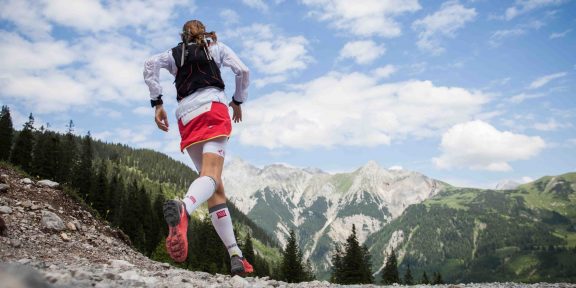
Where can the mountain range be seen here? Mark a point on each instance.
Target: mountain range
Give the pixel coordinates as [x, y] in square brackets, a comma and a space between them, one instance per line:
[513, 233]
[322, 207]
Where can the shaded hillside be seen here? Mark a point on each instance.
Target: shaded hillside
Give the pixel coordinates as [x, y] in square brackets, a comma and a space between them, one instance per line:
[473, 235]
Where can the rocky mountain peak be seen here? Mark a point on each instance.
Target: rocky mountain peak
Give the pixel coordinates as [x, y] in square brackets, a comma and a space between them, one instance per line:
[370, 166]
[507, 185]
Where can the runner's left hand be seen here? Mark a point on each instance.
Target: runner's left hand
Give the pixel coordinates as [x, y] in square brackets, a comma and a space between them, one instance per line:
[237, 115]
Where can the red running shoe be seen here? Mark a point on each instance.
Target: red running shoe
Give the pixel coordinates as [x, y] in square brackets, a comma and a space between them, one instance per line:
[240, 266]
[177, 219]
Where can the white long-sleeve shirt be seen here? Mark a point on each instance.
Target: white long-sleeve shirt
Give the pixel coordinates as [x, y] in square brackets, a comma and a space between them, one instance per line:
[222, 55]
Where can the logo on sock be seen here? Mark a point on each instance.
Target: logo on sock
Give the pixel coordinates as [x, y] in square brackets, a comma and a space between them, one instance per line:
[192, 199]
[221, 214]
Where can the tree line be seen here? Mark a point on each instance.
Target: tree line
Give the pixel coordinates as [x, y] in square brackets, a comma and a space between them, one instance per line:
[352, 265]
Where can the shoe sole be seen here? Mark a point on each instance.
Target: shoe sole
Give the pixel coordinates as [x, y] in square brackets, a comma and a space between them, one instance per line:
[172, 217]
[172, 213]
[239, 272]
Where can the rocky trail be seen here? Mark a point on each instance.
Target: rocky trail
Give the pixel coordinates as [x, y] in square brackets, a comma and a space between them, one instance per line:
[47, 239]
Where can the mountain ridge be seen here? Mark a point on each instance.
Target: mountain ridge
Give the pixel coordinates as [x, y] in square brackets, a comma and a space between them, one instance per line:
[323, 206]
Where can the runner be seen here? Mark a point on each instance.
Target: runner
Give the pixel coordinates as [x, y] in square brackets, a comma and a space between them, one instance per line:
[205, 126]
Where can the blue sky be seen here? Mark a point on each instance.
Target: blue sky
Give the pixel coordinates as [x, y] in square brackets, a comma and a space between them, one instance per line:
[469, 92]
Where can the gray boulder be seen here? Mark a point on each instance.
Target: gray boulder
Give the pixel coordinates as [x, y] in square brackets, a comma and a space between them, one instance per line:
[4, 188]
[51, 221]
[48, 183]
[5, 210]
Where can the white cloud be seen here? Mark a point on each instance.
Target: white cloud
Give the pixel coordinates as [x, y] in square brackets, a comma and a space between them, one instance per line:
[550, 125]
[143, 111]
[27, 16]
[443, 23]
[265, 81]
[396, 168]
[519, 98]
[560, 34]
[545, 80]
[384, 72]
[362, 52]
[95, 15]
[526, 179]
[256, 4]
[354, 110]
[229, 16]
[477, 145]
[498, 36]
[18, 54]
[54, 75]
[49, 92]
[51, 75]
[524, 6]
[270, 52]
[363, 17]
[114, 69]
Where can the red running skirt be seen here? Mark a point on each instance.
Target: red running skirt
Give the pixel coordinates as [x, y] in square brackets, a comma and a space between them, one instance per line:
[211, 124]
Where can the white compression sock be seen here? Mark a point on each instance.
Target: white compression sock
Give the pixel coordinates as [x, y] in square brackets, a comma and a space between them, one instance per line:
[223, 224]
[200, 190]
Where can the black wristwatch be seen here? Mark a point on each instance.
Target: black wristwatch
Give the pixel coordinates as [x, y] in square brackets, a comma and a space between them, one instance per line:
[157, 101]
[236, 102]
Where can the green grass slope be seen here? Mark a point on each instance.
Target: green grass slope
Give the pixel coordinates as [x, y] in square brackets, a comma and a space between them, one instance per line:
[474, 235]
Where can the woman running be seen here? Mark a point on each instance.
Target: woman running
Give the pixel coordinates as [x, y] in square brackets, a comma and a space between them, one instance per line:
[205, 126]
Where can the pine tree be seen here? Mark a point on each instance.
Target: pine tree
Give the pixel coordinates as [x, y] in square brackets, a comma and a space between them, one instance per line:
[336, 276]
[309, 272]
[248, 248]
[159, 212]
[292, 269]
[424, 279]
[261, 267]
[130, 221]
[437, 278]
[204, 251]
[6, 133]
[46, 154]
[53, 153]
[148, 222]
[69, 155]
[83, 172]
[366, 265]
[355, 265]
[22, 153]
[99, 193]
[408, 280]
[390, 271]
[38, 155]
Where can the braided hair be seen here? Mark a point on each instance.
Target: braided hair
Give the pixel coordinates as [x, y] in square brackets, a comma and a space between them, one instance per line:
[194, 31]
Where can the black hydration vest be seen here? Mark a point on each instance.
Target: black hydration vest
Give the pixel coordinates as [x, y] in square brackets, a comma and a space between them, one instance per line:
[197, 72]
